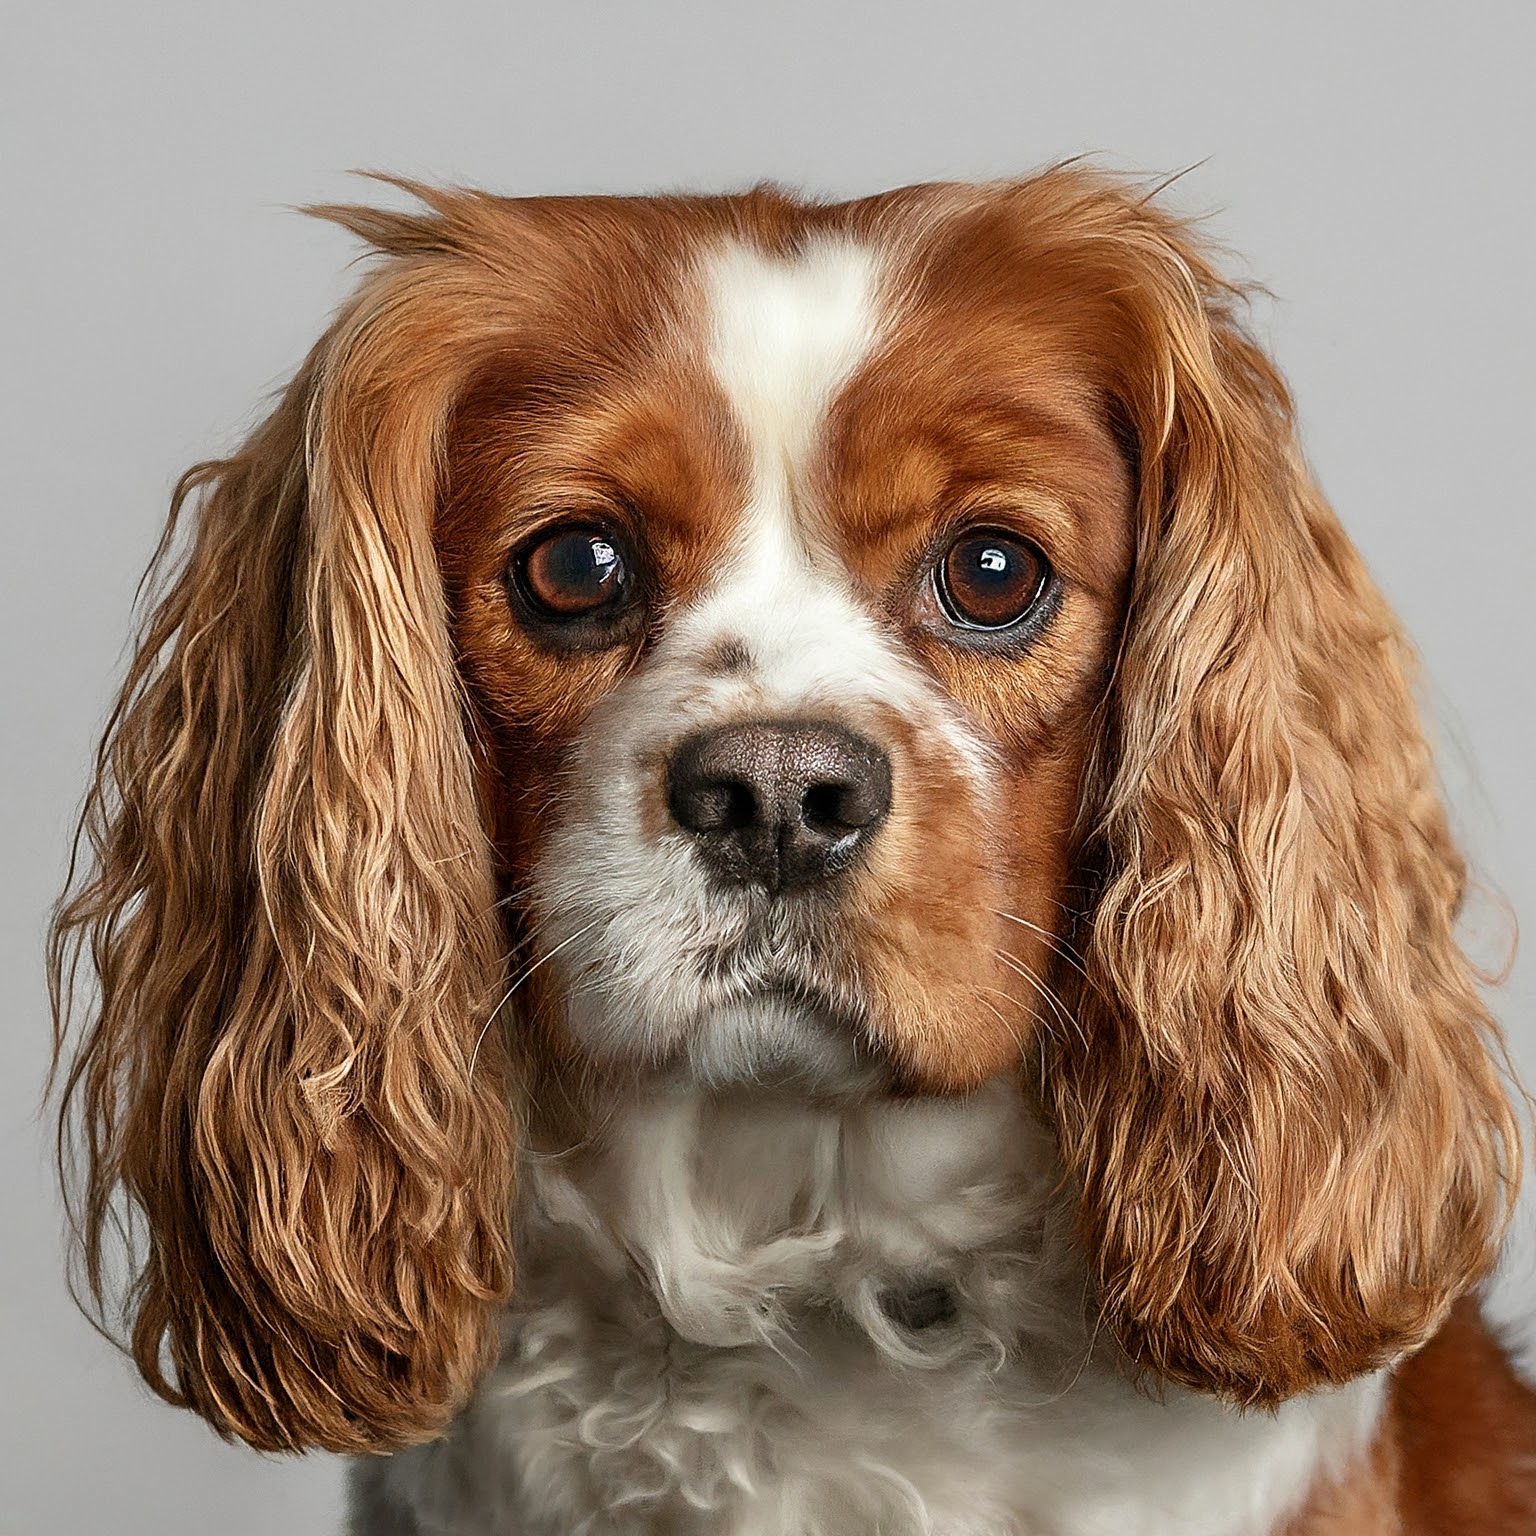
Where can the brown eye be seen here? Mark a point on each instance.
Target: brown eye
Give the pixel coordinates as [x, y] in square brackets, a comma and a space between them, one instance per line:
[573, 573]
[990, 580]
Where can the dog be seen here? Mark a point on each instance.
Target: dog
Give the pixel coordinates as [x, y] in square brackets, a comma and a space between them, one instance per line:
[823, 775]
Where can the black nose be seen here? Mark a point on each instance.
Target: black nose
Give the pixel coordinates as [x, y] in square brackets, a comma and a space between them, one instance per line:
[779, 803]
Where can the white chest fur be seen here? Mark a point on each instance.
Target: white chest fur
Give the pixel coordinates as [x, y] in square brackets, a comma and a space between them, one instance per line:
[746, 1317]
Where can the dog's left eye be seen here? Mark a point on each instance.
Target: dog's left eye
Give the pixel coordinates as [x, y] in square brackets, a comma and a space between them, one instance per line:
[572, 573]
[991, 580]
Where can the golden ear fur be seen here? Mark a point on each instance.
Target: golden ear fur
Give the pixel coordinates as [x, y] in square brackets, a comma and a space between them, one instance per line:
[1285, 1117]
[292, 1086]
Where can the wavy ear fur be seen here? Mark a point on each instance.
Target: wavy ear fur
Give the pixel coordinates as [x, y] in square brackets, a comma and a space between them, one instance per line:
[290, 1095]
[1285, 1114]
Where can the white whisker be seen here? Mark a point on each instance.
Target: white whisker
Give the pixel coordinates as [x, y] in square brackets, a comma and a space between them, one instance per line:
[1056, 1004]
[517, 981]
[1055, 940]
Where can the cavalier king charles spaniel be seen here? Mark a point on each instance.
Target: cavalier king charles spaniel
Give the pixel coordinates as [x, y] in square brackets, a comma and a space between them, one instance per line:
[769, 871]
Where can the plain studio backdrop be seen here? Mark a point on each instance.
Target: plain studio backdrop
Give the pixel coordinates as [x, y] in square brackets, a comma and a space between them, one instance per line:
[1370, 162]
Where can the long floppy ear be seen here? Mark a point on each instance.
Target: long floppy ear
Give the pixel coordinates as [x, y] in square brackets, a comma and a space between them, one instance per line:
[1284, 1113]
[290, 1083]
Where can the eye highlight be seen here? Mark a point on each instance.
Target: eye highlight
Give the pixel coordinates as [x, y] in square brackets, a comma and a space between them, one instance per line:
[988, 579]
[572, 574]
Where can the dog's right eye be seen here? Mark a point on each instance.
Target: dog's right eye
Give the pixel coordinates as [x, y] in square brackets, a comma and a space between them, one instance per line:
[572, 574]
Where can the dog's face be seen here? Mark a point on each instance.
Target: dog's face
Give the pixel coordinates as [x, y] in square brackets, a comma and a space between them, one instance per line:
[863, 647]
[787, 654]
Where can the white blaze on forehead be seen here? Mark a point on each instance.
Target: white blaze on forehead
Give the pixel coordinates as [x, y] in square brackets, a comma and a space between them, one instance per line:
[785, 333]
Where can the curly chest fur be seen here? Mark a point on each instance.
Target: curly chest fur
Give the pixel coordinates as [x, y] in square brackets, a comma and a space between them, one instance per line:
[743, 1317]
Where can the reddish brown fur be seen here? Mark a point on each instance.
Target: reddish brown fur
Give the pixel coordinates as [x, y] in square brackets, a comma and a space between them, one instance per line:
[973, 412]
[1273, 1080]
[1456, 1455]
[1466, 1426]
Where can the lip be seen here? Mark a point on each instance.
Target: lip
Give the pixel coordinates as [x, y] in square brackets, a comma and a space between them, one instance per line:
[811, 1002]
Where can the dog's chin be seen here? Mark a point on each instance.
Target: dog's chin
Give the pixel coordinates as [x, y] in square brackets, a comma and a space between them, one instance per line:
[775, 1042]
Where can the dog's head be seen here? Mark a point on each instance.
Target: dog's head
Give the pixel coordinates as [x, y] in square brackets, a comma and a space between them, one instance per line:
[871, 647]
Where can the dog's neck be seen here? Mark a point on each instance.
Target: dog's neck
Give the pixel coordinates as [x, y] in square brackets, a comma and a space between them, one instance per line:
[755, 1311]
[932, 1225]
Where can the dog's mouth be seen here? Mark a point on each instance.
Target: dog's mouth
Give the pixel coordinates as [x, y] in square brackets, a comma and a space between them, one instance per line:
[768, 994]
[798, 953]
[777, 1007]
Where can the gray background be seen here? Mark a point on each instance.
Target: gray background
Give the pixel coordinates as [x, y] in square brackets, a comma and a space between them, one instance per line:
[1370, 161]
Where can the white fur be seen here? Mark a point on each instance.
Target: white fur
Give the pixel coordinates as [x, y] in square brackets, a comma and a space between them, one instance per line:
[698, 1345]
[698, 1349]
[784, 334]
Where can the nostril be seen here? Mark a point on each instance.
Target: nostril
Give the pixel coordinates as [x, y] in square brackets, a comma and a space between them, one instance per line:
[721, 805]
[835, 809]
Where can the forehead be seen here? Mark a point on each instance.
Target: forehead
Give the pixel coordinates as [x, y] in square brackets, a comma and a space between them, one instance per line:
[870, 365]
